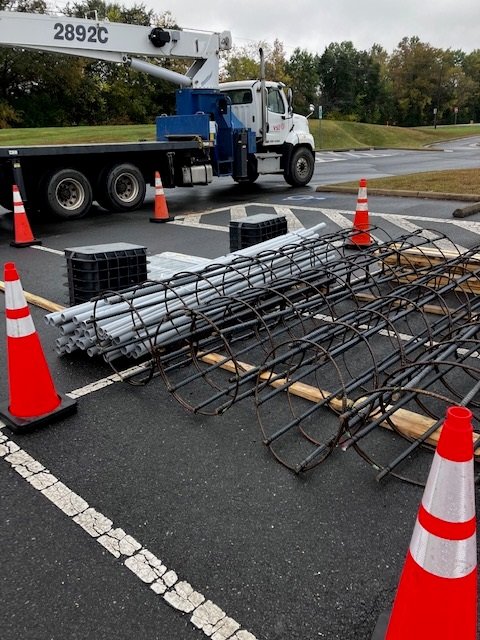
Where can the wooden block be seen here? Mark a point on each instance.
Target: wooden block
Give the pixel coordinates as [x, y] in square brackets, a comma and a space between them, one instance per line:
[410, 424]
[38, 301]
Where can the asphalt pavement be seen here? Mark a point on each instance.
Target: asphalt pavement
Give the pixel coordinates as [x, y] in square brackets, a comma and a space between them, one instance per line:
[218, 539]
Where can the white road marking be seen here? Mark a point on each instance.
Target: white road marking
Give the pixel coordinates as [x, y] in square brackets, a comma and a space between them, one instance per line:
[194, 221]
[180, 595]
[472, 226]
[342, 156]
[408, 225]
[238, 212]
[341, 218]
[48, 250]
[330, 157]
[338, 217]
[106, 382]
[293, 223]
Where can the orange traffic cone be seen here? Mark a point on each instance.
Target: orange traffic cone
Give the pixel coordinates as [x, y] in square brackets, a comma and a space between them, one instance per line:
[161, 210]
[361, 227]
[437, 593]
[23, 233]
[33, 399]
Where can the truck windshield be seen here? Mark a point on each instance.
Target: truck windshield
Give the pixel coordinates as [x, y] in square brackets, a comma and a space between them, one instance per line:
[239, 96]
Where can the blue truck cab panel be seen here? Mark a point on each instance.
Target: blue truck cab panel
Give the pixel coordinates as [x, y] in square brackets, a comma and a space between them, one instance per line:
[207, 113]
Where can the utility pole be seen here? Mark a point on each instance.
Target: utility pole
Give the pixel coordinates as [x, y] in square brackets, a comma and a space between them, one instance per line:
[435, 110]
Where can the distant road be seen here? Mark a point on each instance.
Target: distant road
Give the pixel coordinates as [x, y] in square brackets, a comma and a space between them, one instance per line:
[462, 144]
[332, 167]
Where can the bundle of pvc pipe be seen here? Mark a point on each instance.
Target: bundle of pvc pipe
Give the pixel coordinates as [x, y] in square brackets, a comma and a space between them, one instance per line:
[115, 324]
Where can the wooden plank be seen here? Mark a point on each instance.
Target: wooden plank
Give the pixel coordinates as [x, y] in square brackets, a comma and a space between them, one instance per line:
[38, 301]
[410, 424]
[433, 253]
[299, 389]
[425, 258]
[428, 308]
[472, 285]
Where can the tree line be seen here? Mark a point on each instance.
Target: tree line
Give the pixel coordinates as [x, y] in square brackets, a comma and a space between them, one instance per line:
[414, 85]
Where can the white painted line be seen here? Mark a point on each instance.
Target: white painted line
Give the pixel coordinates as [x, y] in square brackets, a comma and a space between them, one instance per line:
[408, 225]
[150, 570]
[473, 226]
[327, 158]
[338, 217]
[465, 225]
[238, 212]
[194, 221]
[106, 382]
[190, 219]
[293, 223]
[48, 250]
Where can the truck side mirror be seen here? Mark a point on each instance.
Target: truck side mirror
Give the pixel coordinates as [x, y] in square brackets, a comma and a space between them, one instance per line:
[311, 109]
[290, 99]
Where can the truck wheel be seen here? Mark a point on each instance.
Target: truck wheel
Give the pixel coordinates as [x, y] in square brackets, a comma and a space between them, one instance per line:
[67, 194]
[301, 167]
[121, 188]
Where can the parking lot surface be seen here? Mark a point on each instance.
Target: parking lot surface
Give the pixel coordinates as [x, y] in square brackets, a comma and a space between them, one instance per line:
[169, 525]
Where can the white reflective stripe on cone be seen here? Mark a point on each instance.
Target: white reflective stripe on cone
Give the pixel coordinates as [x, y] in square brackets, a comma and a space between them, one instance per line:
[362, 193]
[443, 558]
[16, 197]
[448, 480]
[20, 327]
[362, 206]
[14, 296]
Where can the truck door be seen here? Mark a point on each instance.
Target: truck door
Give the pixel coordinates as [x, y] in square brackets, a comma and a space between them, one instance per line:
[277, 116]
[243, 106]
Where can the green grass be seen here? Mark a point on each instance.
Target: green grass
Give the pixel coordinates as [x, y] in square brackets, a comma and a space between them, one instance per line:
[328, 134]
[76, 135]
[332, 134]
[459, 181]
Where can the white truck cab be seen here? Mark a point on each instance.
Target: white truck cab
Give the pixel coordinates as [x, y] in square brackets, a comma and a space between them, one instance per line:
[277, 129]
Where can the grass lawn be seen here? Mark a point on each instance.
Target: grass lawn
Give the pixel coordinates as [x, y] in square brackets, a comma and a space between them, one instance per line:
[76, 135]
[328, 134]
[458, 181]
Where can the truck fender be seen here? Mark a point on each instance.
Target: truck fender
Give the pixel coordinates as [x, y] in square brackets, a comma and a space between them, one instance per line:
[295, 139]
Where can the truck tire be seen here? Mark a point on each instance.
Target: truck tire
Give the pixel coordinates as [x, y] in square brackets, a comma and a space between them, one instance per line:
[67, 194]
[300, 168]
[121, 188]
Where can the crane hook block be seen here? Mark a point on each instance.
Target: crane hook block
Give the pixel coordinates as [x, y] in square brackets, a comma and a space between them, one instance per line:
[159, 37]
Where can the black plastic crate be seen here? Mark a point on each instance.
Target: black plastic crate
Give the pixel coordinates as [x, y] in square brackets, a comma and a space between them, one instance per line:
[254, 229]
[104, 267]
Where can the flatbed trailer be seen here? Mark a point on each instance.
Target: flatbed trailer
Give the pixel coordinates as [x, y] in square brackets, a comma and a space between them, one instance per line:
[65, 179]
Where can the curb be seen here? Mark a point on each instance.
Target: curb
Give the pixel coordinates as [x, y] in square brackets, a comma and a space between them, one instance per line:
[462, 197]
[370, 148]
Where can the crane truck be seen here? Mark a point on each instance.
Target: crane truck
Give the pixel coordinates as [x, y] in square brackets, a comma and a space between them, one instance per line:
[237, 129]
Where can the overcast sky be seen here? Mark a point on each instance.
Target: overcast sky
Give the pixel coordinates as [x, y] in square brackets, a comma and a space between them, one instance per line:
[313, 24]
